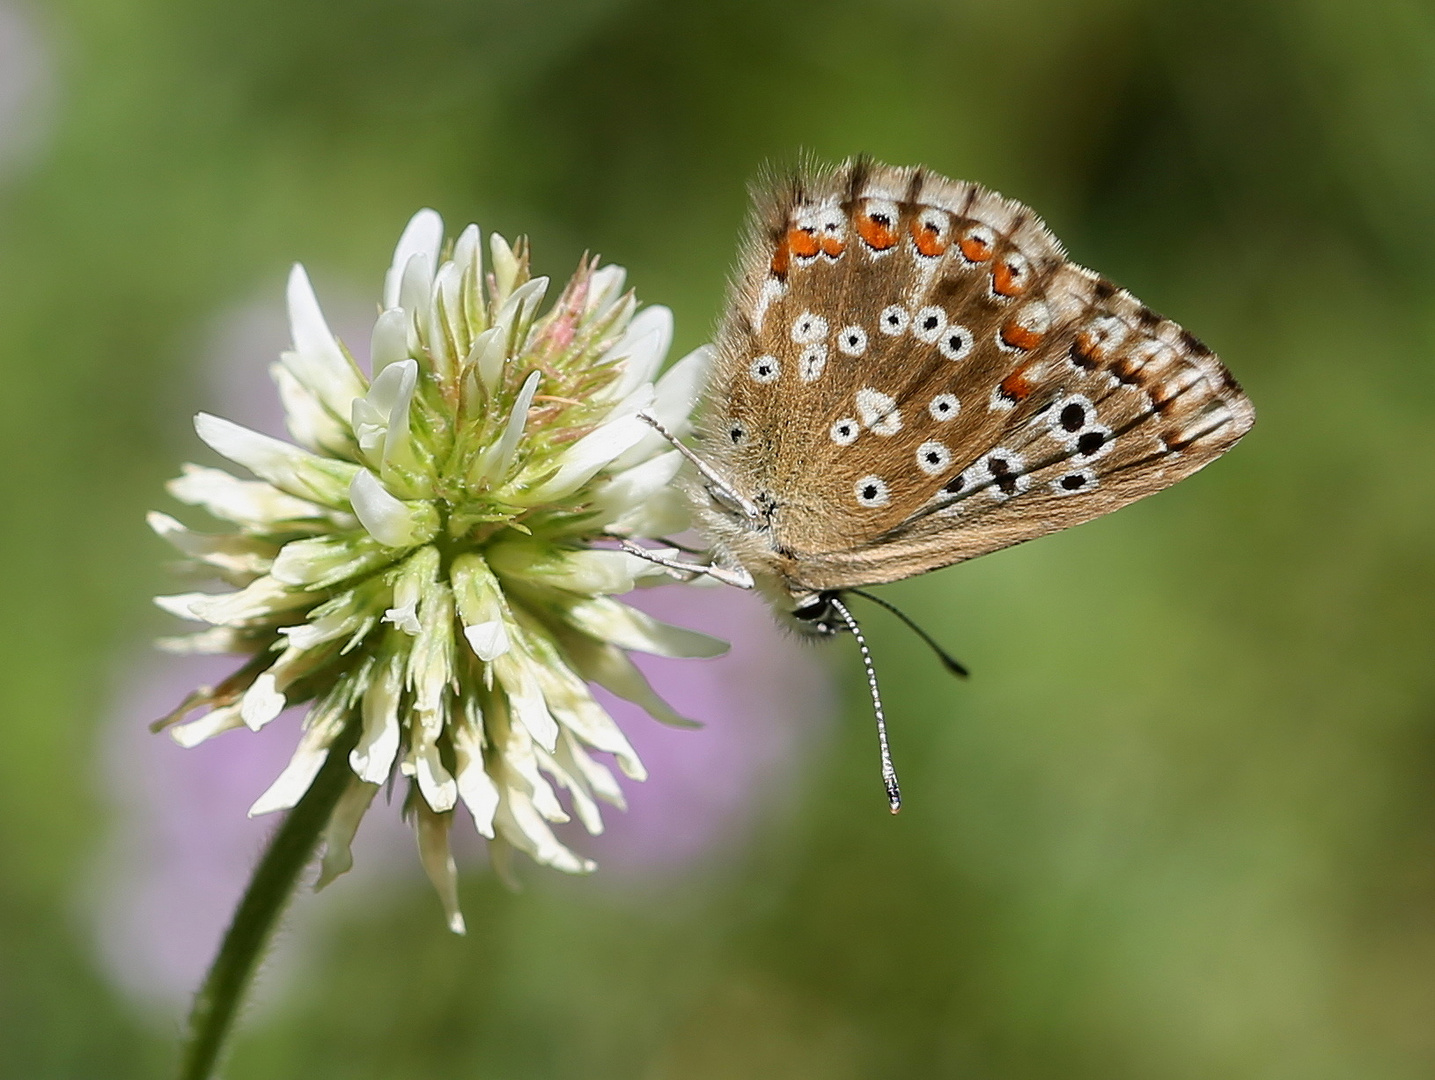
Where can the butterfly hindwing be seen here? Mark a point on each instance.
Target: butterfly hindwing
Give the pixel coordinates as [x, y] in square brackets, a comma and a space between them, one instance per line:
[911, 373]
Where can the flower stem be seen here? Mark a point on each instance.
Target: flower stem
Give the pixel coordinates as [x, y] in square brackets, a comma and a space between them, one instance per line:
[216, 1005]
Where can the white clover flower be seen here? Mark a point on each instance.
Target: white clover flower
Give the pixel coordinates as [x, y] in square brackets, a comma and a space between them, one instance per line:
[420, 568]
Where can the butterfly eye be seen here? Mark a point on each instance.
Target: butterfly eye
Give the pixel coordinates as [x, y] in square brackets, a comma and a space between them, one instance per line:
[736, 433]
[894, 320]
[813, 611]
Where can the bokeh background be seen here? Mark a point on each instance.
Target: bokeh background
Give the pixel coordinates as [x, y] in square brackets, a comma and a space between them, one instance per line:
[1179, 824]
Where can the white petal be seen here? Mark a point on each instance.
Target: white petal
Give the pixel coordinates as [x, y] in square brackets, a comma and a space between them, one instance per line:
[634, 486]
[316, 359]
[212, 723]
[581, 461]
[389, 342]
[505, 266]
[605, 287]
[521, 824]
[215, 641]
[610, 668]
[584, 571]
[246, 502]
[284, 465]
[390, 521]
[308, 759]
[308, 422]
[645, 345]
[438, 861]
[468, 251]
[258, 600]
[373, 757]
[677, 393]
[481, 608]
[408, 587]
[339, 833]
[436, 784]
[423, 236]
[431, 658]
[489, 639]
[608, 620]
[525, 698]
[598, 777]
[261, 703]
[487, 355]
[496, 460]
[475, 786]
[584, 807]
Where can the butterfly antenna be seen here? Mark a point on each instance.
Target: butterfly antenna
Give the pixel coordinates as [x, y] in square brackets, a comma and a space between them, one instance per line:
[889, 773]
[951, 663]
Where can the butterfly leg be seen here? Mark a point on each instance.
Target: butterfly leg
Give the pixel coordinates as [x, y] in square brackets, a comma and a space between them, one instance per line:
[720, 489]
[740, 579]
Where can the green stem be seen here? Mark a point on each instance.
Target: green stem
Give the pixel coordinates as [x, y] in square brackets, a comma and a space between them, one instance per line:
[217, 1003]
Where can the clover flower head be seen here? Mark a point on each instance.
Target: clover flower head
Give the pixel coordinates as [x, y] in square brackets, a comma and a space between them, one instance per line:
[419, 566]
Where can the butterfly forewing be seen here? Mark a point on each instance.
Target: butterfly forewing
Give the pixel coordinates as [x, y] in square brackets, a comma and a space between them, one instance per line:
[911, 373]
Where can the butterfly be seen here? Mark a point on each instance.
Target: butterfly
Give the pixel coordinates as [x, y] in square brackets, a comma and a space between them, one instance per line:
[911, 373]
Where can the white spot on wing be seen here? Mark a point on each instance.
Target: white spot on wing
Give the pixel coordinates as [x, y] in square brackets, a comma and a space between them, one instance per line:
[894, 320]
[933, 458]
[955, 342]
[878, 411]
[944, 407]
[808, 327]
[811, 362]
[928, 324]
[871, 492]
[845, 431]
[852, 340]
[764, 369]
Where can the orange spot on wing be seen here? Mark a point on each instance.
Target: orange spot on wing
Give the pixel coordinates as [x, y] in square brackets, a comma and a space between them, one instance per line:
[832, 247]
[1020, 337]
[929, 240]
[803, 243]
[975, 248]
[1007, 280]
[780, 259]
[1016, 386]
[877, 236]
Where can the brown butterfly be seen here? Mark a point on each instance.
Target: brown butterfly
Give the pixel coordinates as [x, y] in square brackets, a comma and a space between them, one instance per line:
[911, 373]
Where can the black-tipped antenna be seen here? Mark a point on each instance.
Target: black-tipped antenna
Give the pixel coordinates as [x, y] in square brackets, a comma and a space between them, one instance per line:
[889, 773]
[949, 662]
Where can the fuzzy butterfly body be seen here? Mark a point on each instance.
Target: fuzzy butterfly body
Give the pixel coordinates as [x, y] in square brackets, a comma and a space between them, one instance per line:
[911, 373]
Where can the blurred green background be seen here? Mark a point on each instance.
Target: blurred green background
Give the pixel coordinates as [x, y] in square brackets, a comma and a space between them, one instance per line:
[1181, 824]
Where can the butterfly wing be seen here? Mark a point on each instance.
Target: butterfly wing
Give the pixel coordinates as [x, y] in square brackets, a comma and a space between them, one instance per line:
[912, 374]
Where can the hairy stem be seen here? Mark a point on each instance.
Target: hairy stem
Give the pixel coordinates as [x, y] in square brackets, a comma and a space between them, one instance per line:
[216, 1005]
